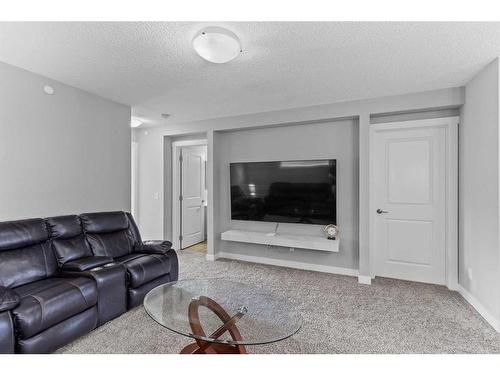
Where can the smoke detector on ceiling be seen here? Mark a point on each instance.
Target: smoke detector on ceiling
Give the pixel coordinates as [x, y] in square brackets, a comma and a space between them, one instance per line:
[165, 115]
[49, 90]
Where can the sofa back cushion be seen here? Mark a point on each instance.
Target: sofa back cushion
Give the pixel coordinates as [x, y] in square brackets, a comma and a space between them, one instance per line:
[68, 241]
[108, 233]
[133, 230]
[25, 252]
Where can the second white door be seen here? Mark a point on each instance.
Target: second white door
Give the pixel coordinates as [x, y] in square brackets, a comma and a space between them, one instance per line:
[192, 195]
[409, 182]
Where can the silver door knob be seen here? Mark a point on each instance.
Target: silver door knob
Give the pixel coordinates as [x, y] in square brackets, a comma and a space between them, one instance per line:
[380, 211]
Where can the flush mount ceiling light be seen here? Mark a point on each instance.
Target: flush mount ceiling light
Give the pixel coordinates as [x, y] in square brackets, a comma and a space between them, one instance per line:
[135, 122]
[217, 45]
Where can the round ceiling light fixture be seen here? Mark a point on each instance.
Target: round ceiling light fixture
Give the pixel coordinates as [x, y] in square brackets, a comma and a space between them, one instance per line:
[217, 45]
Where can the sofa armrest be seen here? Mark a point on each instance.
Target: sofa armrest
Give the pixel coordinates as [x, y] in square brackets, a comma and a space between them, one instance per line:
[8, 299]
[174, 264]
[154, 247]
[84, 264]
[7, 337]
[111, 282]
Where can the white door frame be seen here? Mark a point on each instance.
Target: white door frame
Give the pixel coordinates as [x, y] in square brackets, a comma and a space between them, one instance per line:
[176, 177]
[450, 124]
[134, 203]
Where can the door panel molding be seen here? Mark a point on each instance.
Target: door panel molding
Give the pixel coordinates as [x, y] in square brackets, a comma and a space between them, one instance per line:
[450, 128]
[429, 176]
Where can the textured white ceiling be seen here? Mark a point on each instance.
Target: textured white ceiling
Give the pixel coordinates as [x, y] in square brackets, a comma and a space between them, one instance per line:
[153, 67]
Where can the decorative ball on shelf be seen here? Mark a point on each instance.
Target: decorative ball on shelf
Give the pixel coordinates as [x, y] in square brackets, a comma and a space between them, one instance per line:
[331, 231]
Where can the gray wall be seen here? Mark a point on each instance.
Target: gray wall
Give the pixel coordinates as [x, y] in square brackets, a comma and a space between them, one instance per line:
[62, 153]
[152, 177]
[153, 173]
[479, 189]
[330, 140]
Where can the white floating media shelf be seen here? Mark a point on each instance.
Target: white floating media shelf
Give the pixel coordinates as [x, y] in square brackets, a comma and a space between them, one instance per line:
[283, 240]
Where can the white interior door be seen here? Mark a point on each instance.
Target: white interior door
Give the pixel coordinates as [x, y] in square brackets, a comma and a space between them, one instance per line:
[192, 193]
[409, 199]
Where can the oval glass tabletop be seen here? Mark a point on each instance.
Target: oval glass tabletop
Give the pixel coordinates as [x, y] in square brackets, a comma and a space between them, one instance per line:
[222, 312]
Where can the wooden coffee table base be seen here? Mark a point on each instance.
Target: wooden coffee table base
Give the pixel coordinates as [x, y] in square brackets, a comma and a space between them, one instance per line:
[213, 348]
[228, 324]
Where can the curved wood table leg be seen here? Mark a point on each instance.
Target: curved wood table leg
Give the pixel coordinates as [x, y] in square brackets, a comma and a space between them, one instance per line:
[190, 349]
[207, 347]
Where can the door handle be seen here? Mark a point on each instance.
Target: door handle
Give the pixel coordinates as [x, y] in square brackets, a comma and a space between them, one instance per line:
[380, 211]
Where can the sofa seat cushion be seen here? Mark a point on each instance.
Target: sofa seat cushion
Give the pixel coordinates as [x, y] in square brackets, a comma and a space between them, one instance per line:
[145, 267]
[128, 257]
[48, 302]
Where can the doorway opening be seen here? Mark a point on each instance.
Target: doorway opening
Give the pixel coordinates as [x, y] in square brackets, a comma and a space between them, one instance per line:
[198, 248]
[189, 195]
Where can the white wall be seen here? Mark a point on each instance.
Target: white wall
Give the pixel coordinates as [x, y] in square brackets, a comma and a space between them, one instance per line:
[60, 154]
[479, 251]
[155, 181]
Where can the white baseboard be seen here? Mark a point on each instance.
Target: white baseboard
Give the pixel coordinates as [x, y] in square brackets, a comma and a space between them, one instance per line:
[479, 307]
[290, 264]
[367, 280]
[211, 257]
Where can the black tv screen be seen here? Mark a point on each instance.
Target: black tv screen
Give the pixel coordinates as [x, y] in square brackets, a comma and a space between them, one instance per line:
[301, 191]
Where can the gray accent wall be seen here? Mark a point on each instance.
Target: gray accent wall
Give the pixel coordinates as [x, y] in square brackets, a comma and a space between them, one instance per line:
[60, 154]
[330, 140]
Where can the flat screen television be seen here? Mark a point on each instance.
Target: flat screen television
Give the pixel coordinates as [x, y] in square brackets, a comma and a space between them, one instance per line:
[298, 191]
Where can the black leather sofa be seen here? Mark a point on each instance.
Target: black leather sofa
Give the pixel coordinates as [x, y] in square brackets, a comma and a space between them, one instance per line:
[63, 276]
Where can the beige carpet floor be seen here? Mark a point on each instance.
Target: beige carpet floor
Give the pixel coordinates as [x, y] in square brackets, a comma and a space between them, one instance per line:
[340, 315]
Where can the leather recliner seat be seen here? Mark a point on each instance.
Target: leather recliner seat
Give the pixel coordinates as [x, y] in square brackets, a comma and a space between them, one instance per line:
[115, 235]
[75, 259]
[63, 276]
[48, 311]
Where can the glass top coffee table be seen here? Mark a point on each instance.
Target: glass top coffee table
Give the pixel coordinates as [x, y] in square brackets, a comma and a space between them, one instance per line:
[222, 316]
